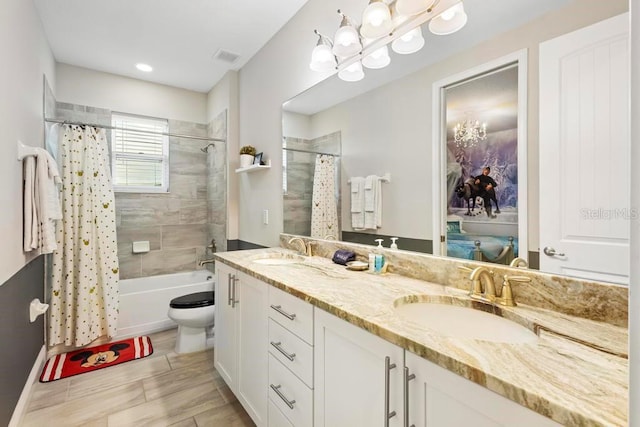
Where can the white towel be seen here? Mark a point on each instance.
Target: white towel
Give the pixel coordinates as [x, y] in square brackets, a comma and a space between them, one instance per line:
[373, 203]
[357, 203]
[30, 203]
[47, 176]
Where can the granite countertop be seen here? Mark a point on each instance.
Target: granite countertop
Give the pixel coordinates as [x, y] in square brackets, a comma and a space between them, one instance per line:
[576, 373]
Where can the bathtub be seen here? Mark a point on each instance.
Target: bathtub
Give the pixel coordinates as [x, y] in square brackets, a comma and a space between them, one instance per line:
[144, 301]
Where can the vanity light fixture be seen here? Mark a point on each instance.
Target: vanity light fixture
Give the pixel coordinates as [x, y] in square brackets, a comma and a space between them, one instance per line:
[322, 58]
[346, 42]
[408, 43]
[352, 73]
[413, 7]
[144, 67]
[466, 134]
[449, 21]
[376, 20]
[377, 59]
[383, 22]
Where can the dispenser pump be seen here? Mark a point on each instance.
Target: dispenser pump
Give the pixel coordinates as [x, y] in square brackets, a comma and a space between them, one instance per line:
[380, 243]
[394, 245]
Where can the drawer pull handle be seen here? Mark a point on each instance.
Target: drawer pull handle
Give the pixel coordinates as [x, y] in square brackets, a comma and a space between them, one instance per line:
[277, 346]
[279, 309]
[276, 388]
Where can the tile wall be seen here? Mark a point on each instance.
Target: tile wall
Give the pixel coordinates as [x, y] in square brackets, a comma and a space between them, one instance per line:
[181, 223]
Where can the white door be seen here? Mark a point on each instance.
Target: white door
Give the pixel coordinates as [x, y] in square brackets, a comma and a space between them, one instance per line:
[225, 353]
[349, 376]
[584, 152]
[252, 330]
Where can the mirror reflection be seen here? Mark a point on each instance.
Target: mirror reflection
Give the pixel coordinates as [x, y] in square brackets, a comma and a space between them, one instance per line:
[387, 125]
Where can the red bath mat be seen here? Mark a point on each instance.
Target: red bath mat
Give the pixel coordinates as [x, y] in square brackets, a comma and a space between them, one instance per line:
[94, 358]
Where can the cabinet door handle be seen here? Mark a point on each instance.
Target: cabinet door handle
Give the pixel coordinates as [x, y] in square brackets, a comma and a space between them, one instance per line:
[279, 309]
[234, 301]
[407, 378]
[276, 388]
[277, 346]
[388, 366]
[229, 296]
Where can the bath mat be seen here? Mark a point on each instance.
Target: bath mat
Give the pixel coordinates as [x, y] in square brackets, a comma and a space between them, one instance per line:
[94, 358]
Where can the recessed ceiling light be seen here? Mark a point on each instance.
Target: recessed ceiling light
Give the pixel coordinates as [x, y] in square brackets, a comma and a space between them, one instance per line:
[144, 67]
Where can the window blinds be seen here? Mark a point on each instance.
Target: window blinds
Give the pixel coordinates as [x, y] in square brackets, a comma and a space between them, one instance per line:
[140, 153]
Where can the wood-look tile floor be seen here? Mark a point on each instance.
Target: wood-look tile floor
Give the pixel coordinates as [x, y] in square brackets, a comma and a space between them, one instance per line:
[164, 389]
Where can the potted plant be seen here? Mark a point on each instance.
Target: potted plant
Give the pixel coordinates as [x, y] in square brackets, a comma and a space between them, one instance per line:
[247, 153]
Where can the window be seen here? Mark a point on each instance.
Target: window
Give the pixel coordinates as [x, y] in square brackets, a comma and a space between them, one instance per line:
[139, 154]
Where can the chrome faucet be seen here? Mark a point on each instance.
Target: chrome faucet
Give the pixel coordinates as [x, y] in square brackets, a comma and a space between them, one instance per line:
[206, 261]
[305, 247]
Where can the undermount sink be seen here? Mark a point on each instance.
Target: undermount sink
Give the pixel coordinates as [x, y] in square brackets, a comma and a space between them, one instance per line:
[278, 259]
[460, 321]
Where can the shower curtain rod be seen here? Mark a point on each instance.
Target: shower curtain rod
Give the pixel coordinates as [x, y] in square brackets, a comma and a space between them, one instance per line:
[310, 152]
[175, 135]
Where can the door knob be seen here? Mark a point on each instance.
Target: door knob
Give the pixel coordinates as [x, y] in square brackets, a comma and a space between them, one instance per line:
[549, 251]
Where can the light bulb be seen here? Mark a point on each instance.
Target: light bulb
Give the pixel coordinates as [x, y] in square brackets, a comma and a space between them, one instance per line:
[322, 58]
[352, 73]
[449, 21]
[377, 59]
[376, 20]
[409, 42]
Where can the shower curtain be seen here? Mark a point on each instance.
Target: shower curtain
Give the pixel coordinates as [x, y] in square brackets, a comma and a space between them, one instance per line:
[84, 285]
[324, 214]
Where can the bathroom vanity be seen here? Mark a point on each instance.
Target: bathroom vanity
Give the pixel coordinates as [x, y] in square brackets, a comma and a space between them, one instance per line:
[302, 341]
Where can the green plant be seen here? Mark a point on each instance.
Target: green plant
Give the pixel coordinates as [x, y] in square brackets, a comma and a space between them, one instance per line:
[248, 149]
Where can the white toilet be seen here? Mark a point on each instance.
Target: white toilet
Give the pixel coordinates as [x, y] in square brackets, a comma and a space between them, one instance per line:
[194, 315]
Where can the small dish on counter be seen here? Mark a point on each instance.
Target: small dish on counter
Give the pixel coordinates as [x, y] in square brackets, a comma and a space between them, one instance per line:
[357, 265]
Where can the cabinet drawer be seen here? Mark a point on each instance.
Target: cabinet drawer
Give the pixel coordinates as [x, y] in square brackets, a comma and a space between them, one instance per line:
[284, 346]
[276, 417]
[290, 394]
[292, 313]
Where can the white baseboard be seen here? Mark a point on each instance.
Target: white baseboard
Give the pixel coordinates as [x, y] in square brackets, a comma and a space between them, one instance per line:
[145, 329]
[19, 410]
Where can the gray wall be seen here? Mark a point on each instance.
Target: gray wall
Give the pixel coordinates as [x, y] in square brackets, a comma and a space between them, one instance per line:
[21, 340]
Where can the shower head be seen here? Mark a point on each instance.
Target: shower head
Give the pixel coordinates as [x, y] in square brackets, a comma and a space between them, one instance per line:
[206, 149]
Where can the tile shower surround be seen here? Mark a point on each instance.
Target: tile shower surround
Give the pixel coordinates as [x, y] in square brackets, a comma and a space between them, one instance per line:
[179, 224]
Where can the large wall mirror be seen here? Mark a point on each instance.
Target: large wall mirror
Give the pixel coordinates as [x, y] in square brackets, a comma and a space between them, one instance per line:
[386, 125]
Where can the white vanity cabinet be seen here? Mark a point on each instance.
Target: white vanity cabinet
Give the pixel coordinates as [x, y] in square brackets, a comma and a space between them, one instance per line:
[290, 360]
[357, 376]
[439, 398]
[240, 354]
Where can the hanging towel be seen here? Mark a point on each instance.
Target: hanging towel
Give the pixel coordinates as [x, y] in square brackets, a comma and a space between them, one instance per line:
[372, 202]
[30, 205]
[357, 203]
[41, 202]
[324, 211]
[47, 178]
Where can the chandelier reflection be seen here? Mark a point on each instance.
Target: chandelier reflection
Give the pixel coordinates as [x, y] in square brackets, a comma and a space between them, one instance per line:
[469, 132]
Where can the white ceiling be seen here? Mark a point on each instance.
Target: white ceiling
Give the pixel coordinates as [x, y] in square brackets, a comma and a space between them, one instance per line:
[178, 38]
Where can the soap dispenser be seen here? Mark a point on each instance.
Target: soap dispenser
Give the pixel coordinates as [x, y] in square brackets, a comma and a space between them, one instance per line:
[394, 245]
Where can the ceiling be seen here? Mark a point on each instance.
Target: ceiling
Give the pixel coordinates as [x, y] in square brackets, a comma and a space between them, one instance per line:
[177, 38]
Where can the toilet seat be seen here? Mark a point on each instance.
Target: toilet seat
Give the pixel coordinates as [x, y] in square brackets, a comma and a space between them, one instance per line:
[198, 299]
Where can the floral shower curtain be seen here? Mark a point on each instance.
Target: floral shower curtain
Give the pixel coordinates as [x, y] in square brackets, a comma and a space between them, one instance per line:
[324, 214]
[84, 288]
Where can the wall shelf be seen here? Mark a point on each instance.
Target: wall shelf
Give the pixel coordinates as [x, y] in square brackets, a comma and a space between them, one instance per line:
[254, 168]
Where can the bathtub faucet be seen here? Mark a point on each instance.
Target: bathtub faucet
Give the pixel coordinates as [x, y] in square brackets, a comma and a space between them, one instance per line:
[206, 261]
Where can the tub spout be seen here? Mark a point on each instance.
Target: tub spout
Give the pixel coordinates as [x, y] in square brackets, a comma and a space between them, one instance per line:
[206, 261]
